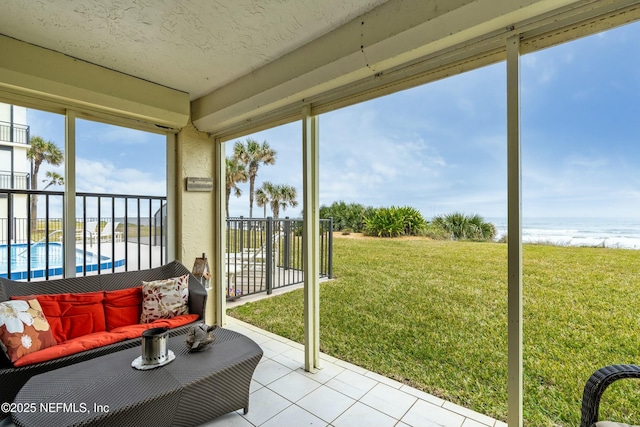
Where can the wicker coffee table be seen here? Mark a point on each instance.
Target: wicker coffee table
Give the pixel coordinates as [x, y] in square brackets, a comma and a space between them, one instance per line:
[107, 391]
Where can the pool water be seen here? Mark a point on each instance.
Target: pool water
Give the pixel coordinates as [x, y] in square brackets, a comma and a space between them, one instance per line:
[38, 257]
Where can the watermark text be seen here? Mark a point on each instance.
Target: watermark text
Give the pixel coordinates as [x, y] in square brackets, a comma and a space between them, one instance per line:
[53, 407]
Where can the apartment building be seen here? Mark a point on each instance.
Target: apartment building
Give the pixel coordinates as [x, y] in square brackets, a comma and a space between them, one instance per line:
[15, 168]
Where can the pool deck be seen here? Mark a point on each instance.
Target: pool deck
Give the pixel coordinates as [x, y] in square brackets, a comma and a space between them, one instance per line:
[137, 256]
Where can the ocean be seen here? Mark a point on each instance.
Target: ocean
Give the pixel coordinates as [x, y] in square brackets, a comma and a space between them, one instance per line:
[622, 233]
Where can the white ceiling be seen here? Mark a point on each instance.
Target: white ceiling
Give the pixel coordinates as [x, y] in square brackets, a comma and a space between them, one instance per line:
[211, 42]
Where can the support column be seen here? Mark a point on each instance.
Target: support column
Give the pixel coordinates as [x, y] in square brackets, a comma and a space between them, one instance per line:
[195, 224]
[217, 258]
[310, 239]
[69, 198]
[514, 237]
[172, 198]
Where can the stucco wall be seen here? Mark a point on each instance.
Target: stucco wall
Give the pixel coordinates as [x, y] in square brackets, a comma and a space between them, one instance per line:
[195, 230]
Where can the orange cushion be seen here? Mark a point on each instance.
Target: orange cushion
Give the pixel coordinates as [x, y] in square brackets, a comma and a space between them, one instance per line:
[23, 329]
[100, 339]
[72, 315]
[133, 331]
[122, 307]
[76, 345]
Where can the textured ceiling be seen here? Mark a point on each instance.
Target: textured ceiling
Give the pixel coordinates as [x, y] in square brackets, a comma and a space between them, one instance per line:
[211, 42]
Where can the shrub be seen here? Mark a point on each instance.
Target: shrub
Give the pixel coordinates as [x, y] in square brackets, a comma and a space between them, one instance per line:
[413, 220]
[434, 232]
[384, 222]
[393, 222]
[345, 215]
[465, 227]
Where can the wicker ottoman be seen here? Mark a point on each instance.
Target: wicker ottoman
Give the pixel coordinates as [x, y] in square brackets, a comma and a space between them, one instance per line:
[107, 391]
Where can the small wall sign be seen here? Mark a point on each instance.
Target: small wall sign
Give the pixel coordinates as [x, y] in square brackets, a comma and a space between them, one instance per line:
[199, 184]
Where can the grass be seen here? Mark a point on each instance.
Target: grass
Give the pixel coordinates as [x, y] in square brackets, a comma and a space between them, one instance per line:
[258, 240]
[433, 314]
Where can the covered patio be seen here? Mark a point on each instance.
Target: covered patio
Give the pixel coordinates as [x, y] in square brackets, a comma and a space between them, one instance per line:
[204, 73]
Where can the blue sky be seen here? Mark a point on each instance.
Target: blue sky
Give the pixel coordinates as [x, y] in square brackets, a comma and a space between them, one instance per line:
[440, 147]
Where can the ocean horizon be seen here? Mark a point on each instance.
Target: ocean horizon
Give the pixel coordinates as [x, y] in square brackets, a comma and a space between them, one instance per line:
[619, 233]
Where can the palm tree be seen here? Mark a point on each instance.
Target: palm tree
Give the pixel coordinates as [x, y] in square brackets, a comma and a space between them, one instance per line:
[236, 172]
[262, 199]
[41, 151]
[279, 196]
[483, 230]
[53, 178]
[463, 227]
[253, 154]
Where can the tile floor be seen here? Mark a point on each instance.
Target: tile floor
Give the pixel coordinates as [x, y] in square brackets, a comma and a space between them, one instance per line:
[338, 395]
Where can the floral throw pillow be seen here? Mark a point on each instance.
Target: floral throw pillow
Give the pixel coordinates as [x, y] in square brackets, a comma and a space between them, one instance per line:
[23, 328]
[164, 299]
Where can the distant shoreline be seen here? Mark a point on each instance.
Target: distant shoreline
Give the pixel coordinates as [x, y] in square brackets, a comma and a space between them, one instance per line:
[614, 233]
[603, 244]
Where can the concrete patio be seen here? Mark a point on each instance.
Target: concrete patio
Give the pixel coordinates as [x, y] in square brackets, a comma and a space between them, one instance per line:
[340, 394]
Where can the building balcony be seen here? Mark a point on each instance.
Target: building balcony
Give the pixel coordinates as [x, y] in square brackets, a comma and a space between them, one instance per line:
[14, 133]
[15, 180]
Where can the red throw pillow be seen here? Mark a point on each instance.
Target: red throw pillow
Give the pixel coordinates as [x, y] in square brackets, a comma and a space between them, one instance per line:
[72, 315]
[23, 328]
[122, 307]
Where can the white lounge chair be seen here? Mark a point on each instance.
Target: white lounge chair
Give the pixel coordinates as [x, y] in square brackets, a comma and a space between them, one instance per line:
[109, 232]
[89, 233]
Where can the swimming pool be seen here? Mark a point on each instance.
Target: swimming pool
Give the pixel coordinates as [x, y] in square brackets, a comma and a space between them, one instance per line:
[18, 260]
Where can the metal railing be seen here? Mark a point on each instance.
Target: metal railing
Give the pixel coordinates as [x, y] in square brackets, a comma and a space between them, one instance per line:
[123, 232]
[15, 180]
[266, 254]
[12, 132]
[113, 233]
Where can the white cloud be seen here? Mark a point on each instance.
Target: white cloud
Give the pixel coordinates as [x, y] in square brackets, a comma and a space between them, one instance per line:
[105, 177]
[363, 161]
[100, 133]
[536, 69]
[589, 186]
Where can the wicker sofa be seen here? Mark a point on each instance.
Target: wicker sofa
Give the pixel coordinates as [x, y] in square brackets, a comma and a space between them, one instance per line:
[596, 386]
[13, 378]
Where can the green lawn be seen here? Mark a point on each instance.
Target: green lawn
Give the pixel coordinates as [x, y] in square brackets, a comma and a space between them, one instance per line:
[433, 314]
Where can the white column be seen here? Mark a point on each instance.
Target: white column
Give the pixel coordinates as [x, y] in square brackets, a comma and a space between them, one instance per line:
[197, 212]
[310, 239]
[218, 282]
[69, 198]
[172, 197]
[514, 239]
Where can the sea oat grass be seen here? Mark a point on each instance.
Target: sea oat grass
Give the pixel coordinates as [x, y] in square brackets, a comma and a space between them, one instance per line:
[433, 314]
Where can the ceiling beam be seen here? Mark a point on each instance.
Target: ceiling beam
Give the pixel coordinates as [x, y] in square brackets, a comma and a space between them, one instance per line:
[28, 71]
[395, 33]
